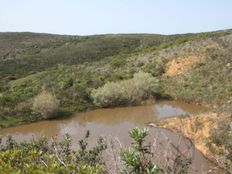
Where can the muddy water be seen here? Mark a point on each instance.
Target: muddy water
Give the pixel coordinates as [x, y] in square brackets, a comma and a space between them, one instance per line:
[115, 123]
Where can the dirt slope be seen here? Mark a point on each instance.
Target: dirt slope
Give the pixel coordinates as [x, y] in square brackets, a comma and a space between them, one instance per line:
[182, 65]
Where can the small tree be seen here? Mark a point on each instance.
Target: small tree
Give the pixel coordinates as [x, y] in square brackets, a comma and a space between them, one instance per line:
[46, 105]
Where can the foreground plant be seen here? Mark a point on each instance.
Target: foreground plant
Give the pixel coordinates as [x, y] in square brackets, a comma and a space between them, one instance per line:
[57, 157]
[137, 157]
[41, 156]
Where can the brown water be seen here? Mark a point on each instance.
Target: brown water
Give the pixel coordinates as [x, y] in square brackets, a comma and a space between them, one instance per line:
[115, 123]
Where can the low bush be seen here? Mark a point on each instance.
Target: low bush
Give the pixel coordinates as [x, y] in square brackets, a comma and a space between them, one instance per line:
[117, 62]
[137, 159]
[141, 87]
[10, 98]
[46, 105]
[41, 156]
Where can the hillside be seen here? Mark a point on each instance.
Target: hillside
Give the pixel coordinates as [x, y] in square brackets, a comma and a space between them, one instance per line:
[191, 67]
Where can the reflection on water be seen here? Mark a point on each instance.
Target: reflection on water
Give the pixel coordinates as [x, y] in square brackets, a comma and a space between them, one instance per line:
[106, 119]
[113, 122]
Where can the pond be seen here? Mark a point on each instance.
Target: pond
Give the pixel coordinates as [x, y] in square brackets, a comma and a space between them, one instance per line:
[115, 122]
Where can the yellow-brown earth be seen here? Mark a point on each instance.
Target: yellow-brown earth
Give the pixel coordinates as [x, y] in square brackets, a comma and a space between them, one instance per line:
[196, 127]
[182, 65]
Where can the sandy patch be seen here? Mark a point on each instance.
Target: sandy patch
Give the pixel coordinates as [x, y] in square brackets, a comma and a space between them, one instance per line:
[182, 65]
[197, 128]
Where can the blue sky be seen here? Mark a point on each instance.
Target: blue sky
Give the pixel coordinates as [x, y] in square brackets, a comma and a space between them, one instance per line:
[84, 17]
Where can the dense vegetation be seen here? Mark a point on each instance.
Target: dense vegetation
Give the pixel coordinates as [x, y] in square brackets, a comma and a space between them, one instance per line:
[76, 69]
[42, 156]
[45, 76]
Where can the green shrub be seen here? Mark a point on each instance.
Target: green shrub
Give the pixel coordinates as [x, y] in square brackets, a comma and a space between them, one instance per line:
[45, 156]
[68, 83]
[137, 158]
[117, 62]
[10, 98]
[141, 87]
[140, 64]
[156, 68]
[41, 156]
[46, 105]
[87, 169]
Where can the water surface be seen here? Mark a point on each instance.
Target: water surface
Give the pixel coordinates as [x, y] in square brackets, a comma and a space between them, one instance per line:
[116, 122]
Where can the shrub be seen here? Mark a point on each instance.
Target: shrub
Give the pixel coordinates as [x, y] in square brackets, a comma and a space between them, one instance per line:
[117, 62]
[46, 105]
[156, 68]
[41, 156]
[58, 156]
[68, 83]
[10, 98]
[137, 158]
[141, 87]
[140, 64]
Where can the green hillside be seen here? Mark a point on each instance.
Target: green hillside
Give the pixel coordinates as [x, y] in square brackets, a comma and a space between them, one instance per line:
[72, 67]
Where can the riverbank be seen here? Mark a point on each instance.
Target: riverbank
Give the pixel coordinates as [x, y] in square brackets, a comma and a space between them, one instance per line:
[199, 129]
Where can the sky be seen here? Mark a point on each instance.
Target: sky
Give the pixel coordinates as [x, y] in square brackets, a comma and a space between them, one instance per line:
[87, 17]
